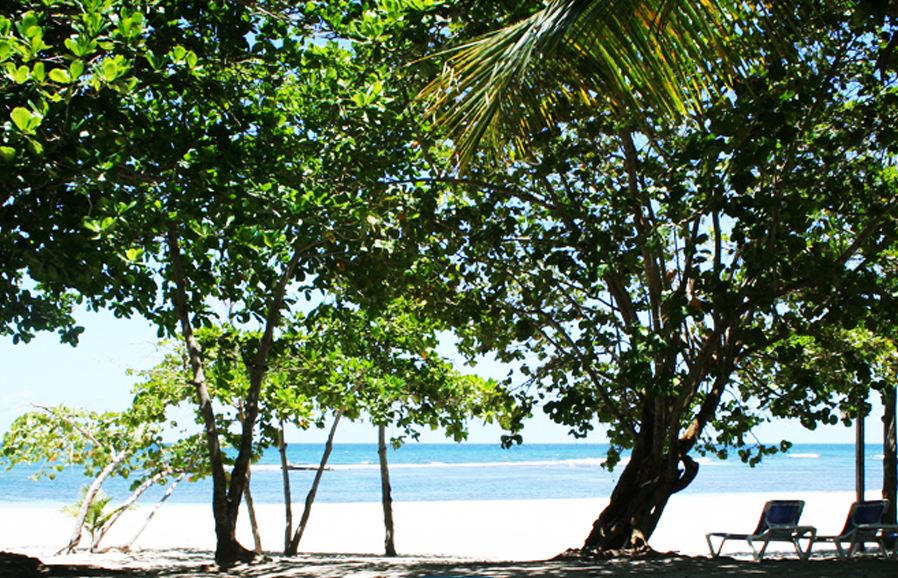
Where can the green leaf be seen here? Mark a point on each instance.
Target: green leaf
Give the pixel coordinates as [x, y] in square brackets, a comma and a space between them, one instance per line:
[37, 71]
[91, 225]
[73, 46]
[80, 46]
[61, 76]
[154, 61]
[25, 120]
[7, 154]
[110, 69]
[18, 75]
[133, 254]
[76, 68]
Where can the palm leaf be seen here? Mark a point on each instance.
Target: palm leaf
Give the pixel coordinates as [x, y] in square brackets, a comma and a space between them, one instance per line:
[666, 56]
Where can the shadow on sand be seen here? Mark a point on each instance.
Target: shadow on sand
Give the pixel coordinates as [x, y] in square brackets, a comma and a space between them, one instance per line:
[196, 564]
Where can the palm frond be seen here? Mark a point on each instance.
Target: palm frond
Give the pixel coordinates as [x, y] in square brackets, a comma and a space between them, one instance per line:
[659, 55]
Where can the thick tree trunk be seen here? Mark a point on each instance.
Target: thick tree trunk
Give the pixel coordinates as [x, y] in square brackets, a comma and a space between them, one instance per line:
[310, 498]
[648, 481]
[386, 493]
[889, 454]
[288, 499]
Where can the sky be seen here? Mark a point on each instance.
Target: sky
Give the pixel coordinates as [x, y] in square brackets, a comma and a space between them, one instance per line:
[94, 376]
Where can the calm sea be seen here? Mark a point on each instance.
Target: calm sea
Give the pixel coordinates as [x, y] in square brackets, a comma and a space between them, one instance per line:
[433, 472]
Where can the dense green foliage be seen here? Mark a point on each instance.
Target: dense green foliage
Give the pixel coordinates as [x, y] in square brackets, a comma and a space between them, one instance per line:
[678, 283]
[261, 168]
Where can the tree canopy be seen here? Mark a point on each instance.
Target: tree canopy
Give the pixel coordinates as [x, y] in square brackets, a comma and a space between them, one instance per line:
[661, 279]
[671, 278]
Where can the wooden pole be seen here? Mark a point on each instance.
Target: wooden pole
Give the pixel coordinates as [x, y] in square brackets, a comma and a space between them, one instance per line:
[889, 454]
[859, 456]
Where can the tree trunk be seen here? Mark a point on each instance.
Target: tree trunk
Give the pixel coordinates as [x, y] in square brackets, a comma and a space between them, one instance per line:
[257, 373]
[387, 498]
[149, 518]
[117, 513]
[310, 498]
[224, 511]
[251, 510]
[889, 454]
[648, 481]
[92, 491]
[288, 499]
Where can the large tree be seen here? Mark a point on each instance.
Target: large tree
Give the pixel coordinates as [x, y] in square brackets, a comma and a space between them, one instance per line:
[169, 157]
[208, 164]
[637, 269]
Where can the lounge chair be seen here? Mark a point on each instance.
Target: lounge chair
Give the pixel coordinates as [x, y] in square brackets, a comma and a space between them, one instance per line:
[864, 524]
[778, 523]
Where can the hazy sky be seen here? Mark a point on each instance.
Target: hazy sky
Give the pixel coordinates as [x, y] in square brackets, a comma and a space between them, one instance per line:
[93, 375]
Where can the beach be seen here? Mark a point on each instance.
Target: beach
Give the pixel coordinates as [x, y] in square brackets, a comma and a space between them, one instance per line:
[495, 536]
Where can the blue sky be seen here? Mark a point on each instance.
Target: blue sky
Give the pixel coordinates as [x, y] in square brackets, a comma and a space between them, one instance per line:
[94, 375]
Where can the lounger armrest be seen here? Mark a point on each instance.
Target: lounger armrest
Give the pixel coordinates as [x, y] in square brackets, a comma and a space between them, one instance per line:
[883, 527]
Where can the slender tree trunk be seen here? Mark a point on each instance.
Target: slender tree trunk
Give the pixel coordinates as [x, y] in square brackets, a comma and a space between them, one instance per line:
[149, 518]
[310, 498]
[117, 513]
[288, 499]
[251, 510]
[387, 498]
[92, 491]
[889, 454]
[224, 511]
[257, 373]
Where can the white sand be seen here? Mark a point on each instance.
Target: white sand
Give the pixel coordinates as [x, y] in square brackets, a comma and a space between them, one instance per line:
[492, 530]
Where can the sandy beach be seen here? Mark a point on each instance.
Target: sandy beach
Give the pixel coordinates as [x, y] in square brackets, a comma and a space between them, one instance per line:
[500, 538]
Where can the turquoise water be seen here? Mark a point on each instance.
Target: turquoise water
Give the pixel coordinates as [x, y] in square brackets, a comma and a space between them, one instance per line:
[435, 472]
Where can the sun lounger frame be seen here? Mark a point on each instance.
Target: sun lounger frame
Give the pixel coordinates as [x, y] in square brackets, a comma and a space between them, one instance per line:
[855, 534]
[778, 523]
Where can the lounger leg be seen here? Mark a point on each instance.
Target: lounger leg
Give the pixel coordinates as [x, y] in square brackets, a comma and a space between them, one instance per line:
[887, 553]
[841, 550]
[804, 553]
[758, 554]
[715, 553]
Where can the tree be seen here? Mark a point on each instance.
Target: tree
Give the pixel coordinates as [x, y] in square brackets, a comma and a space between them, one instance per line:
[382, 364]
[105, 445]
[153, 199]
[638, 276]
[59, 436]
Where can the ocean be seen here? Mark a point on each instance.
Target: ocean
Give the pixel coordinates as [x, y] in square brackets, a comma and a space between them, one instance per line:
[438, 472]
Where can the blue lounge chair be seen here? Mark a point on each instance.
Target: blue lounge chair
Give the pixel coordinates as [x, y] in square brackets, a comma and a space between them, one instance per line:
[778, 523]
[864, 524]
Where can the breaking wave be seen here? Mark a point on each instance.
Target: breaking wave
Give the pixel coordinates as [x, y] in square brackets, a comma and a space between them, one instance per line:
[571, 463]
